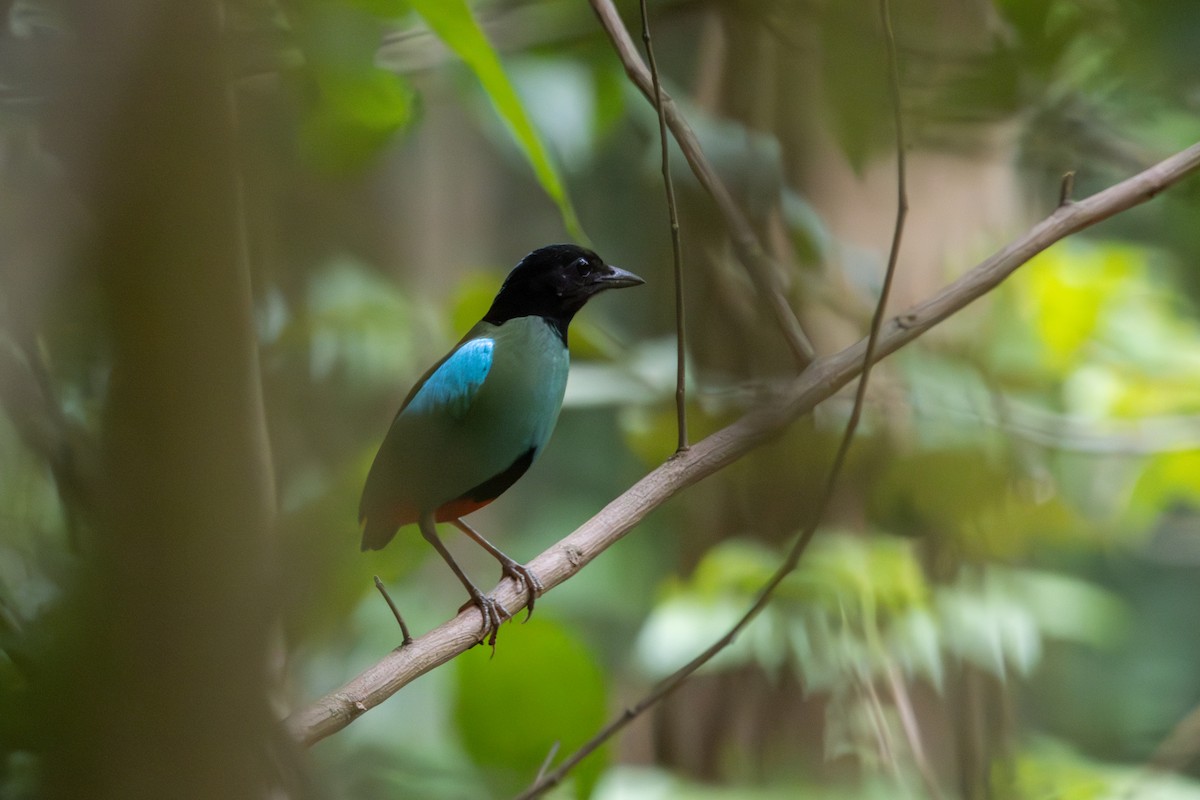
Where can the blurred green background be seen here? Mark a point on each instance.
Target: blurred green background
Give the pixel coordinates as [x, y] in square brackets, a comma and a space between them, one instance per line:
[231, 238]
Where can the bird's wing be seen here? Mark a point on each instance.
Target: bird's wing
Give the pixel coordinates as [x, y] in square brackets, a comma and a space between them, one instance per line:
[453, 384]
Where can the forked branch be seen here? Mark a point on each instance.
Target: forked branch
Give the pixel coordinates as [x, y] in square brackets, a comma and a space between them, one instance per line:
[821, 380]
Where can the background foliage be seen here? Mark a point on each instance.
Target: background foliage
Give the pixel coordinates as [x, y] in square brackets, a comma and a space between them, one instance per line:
[1002, 602]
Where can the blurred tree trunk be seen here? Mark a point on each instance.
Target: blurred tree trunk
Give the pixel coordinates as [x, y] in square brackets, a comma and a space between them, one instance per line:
[165, 691]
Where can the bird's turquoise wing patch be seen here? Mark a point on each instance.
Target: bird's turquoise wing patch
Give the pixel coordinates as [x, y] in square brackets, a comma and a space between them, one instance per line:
[453, 385]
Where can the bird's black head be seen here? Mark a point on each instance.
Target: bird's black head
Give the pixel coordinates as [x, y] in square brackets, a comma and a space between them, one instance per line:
[554, 282]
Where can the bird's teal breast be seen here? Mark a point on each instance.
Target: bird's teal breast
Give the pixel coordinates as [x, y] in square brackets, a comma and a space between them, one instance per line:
[512, 412]
[518, 405]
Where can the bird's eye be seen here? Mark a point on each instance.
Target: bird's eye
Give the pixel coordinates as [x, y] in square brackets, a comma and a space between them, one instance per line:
[583, 267]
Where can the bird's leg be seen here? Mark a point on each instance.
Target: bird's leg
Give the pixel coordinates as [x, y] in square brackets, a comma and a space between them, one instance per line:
[493, 612]
[523, 575]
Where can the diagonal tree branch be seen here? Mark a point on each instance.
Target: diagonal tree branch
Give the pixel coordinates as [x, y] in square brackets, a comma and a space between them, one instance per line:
[821, 380]
[762, 269]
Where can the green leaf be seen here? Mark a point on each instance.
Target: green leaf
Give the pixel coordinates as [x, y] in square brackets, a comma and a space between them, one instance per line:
[854, 77]
[1169, 481]
[356, 326]
[353, 107]
[915, 641]
[610, 84]
[680, 627]
[1069, 290]
[1069, 609]
[357, 112]
[452, 21]
[992, 630]
[541, 687]
[1050, 768]
[957, 494]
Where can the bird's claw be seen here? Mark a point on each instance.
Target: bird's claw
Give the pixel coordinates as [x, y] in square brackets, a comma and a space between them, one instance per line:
[493, 613]
[526, 579]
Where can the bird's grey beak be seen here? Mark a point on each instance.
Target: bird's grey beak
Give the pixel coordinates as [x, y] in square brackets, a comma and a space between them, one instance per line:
[617, 278]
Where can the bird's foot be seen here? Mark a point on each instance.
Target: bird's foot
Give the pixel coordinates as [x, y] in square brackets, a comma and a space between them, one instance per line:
[526, 579]
[493, 612]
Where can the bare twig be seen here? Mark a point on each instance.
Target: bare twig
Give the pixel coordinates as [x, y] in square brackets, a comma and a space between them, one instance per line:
[407, 640]
[900, 698]
[549, 759]
[821, 380]
[677, 679]
[883, 733]
[912, 731]
[676, 248]
[1066, 188]
[762, 269]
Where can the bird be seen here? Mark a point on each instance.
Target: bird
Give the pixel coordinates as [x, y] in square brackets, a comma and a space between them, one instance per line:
[478, 418]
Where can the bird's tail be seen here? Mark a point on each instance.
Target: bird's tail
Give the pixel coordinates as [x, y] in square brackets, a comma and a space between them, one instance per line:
[376, 532]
